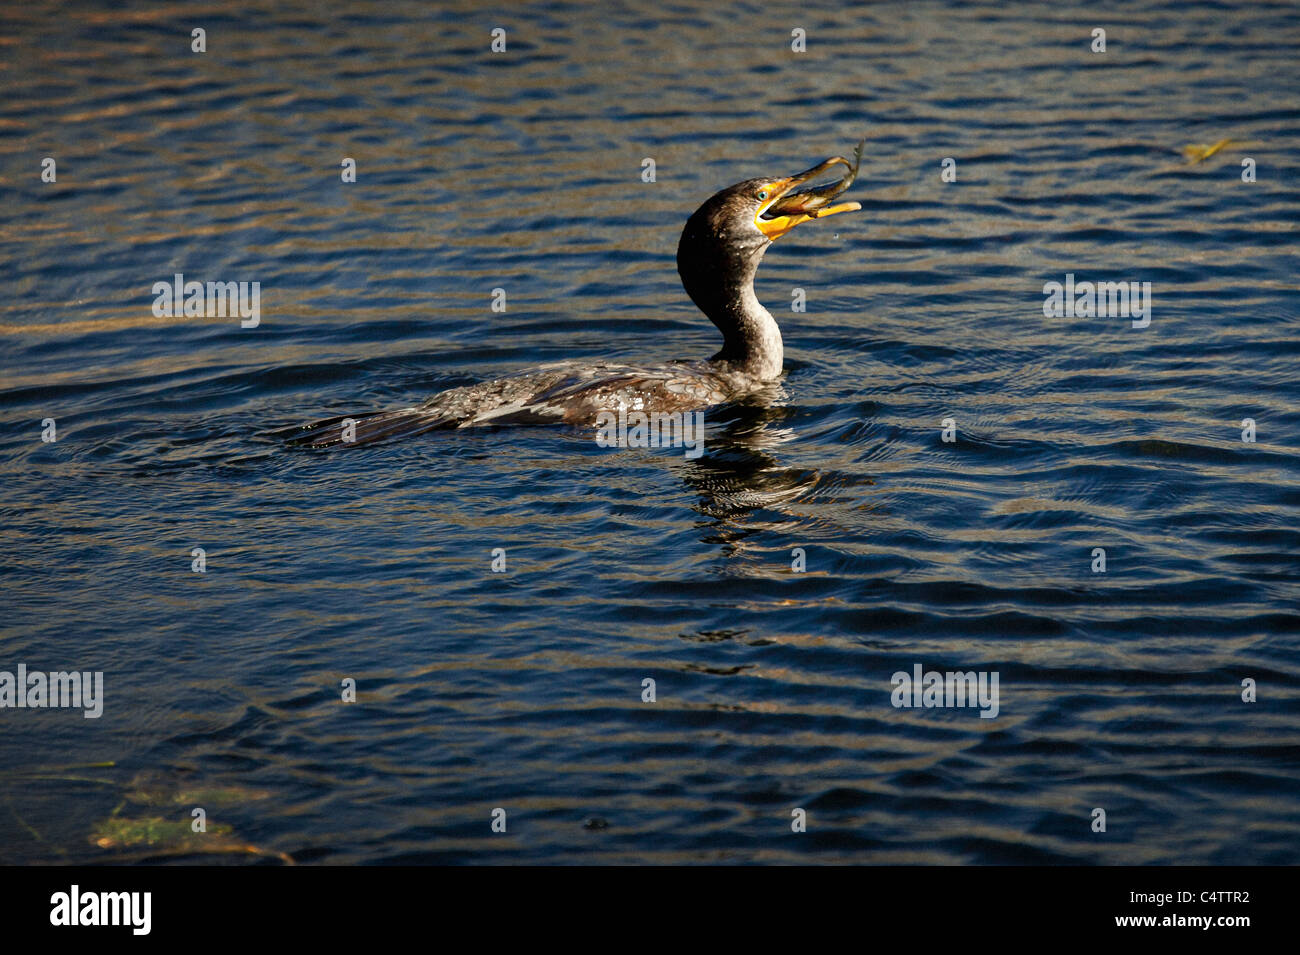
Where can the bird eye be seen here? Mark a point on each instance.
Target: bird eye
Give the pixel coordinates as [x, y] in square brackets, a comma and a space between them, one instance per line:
[762, 194]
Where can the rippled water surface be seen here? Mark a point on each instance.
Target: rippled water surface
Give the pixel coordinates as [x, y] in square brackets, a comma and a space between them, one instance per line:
[523, 690]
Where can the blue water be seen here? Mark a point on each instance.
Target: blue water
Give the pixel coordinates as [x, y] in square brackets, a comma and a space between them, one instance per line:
[522, 690]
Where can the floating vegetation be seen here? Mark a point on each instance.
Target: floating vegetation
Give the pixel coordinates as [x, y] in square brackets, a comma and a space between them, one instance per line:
[151, 789]
[157, 835]
[161, 836]
[63, 773]
[1197, 154]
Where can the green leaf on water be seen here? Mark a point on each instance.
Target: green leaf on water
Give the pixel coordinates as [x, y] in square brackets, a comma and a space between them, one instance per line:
[160, 836]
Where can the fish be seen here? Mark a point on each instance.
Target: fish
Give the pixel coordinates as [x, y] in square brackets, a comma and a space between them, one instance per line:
[813, 202]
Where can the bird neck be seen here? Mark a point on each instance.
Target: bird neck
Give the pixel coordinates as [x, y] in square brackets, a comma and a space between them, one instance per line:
[751, 339]
[721, 283]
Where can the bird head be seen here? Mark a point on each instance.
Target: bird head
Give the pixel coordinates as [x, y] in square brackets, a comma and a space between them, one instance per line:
[726, 237]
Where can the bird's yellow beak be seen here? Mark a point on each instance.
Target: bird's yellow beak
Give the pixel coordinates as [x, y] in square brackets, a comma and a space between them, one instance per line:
[786, 206]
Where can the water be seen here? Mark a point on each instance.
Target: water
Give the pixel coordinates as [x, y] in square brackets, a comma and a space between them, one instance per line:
[523, 690]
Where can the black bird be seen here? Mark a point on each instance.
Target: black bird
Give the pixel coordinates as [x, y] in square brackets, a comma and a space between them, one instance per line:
[717, 258]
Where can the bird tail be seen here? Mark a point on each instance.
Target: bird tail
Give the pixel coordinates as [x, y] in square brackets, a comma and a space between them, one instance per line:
[353, 430]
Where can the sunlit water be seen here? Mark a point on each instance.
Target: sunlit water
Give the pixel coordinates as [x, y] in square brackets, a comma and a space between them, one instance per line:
[523, 690]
